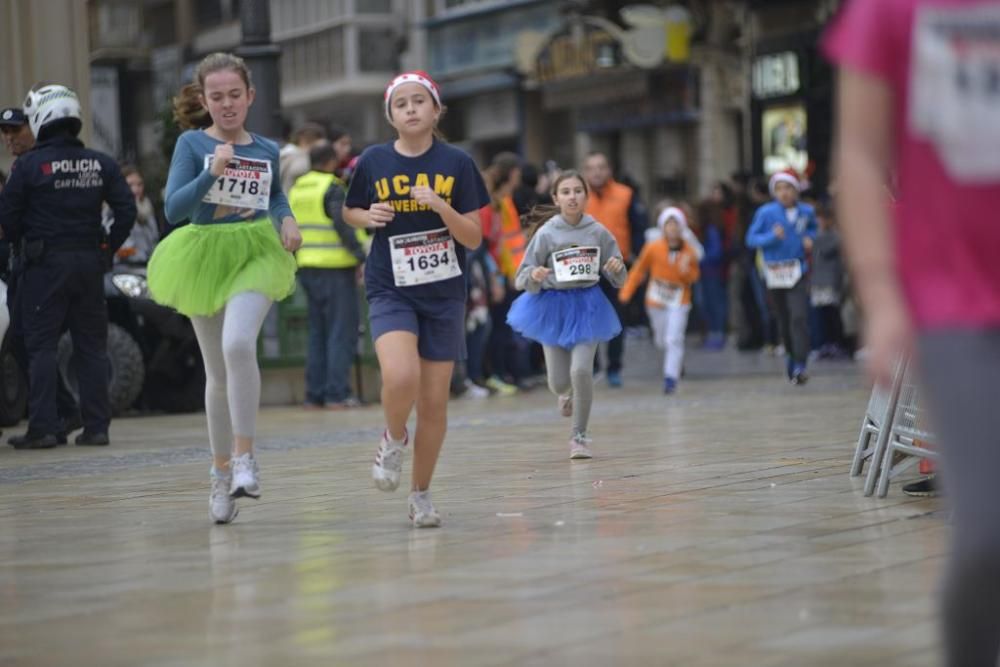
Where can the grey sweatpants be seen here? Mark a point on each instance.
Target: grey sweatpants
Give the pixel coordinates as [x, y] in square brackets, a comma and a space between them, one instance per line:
[228, 342]
[573, 370]
[960, 372]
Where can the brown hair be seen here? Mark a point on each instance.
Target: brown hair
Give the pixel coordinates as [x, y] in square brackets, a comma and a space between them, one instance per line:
[501, 167]
[539, 215]
[189, 113]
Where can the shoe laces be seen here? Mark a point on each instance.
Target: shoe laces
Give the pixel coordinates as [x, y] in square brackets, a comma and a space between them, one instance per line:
[421, 503]
[220, 484]
[581, 439]
[244, 463]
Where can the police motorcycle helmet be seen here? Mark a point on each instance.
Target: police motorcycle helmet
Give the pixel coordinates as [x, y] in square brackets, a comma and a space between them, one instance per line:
[51, 103]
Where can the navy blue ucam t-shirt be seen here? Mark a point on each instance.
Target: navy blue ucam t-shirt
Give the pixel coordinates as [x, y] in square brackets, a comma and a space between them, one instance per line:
[384, 175]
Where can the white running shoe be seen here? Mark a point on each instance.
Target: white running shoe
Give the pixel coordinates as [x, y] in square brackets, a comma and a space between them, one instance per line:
[388, 462]
[245, 480]
[422, 512]
[221, 506]
[579, 446]
[566, 405]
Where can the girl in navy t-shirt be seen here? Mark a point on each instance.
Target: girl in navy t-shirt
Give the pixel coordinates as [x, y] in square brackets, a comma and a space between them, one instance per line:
[422, 199]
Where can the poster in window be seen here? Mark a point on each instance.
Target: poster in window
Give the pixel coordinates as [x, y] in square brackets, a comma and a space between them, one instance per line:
[784, 138]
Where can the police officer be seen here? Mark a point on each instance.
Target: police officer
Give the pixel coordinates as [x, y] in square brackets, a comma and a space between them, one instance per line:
[19, 140]
[51, 208]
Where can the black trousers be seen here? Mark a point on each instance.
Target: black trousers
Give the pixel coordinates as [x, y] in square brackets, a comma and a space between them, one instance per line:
[66, 288]
[792, 310]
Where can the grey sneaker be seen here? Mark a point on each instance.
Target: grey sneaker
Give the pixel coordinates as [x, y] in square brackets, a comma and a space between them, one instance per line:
[221, 506]
[566, 405]
[579, 446]
[388, 462]
[245, 481]
[422, 512]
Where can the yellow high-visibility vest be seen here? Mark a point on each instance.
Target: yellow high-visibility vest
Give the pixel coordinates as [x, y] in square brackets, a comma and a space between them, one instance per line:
[321, 245]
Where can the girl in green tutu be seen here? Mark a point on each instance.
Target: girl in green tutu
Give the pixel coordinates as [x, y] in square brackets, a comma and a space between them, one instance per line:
[226, 268]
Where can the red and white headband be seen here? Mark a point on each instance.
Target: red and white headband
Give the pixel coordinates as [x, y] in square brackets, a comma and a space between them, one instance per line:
[416, 76]
[784, 177]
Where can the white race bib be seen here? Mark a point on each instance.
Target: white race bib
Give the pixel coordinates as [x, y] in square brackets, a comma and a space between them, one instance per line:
[954, 93]
[665, 294]
[245, 184]
[783, 275]
[576, 264]
[423, 257]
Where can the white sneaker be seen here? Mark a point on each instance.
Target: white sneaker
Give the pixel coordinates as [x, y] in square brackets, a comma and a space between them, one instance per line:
[579, 446]
[221, 506]
[245, 481]
[388, 462]
[422, 512]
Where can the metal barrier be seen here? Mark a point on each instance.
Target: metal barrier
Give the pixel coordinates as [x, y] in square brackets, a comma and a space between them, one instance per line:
[874, 437]
[909, 439]
[891, 431]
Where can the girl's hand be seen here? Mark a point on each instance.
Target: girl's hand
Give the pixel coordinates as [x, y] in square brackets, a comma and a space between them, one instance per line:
[221, 158]
[539, 273]
[380, 214]
[807, 243]
[427, 197]
[779, 231]
[614, 265]
[290, 236]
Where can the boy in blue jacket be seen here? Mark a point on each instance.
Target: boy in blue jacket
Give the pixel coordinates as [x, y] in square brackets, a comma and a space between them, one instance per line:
[784, 230]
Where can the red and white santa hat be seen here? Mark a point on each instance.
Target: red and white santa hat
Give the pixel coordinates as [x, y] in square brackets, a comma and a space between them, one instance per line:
[675, 213]
[416, 76]
[786, 176]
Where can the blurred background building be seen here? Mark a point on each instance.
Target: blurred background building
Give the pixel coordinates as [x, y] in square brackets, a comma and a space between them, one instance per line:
[680, 94]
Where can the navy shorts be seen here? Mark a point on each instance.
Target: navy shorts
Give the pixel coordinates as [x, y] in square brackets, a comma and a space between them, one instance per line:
[439, 324]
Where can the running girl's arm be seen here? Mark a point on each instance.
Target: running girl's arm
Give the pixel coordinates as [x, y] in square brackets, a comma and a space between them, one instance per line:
[610, 249]
[637, 275]
[278, 204]
[761, 232]
[466, 228]
[535, 255]
[359, 211]
[187, 182]
[693, 272]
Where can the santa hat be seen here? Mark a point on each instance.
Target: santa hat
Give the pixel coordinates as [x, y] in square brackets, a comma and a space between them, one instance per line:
[675, 213]
[787, 176]
[416, 76]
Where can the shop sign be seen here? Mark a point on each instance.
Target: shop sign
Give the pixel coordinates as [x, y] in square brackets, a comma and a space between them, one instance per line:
[776, 75]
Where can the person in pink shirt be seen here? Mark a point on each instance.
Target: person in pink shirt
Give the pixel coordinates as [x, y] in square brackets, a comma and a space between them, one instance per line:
[920, 98]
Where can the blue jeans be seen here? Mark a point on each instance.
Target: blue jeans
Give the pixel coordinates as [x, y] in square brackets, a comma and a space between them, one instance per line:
[333, 333]
[716, 309]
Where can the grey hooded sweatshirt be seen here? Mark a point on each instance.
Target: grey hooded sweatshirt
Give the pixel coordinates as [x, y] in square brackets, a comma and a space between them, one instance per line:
[557, 234]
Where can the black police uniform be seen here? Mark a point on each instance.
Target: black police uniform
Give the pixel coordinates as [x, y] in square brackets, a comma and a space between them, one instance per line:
[51, 207]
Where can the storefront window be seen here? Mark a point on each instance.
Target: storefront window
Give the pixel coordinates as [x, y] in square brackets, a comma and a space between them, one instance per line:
[783, 138]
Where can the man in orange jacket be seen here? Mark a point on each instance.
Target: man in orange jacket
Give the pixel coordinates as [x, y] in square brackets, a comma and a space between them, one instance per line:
[616, 207]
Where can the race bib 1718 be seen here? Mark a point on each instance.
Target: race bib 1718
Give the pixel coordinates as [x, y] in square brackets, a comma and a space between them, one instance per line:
[245, 184]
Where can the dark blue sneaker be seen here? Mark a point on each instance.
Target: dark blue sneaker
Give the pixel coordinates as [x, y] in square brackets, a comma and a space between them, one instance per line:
[614, 379]
[799, 376]
[669, 385]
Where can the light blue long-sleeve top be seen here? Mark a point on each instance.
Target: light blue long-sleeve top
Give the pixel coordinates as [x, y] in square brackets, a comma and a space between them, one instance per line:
[189, 181]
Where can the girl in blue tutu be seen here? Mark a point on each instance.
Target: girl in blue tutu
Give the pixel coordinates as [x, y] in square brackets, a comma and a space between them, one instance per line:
[563, 308]
[225, 268]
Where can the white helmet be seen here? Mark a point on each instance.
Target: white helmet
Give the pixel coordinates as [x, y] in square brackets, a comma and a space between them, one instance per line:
[51, 103]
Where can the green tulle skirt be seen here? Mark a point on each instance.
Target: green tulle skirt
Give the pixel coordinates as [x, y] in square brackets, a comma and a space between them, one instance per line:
[198, 268]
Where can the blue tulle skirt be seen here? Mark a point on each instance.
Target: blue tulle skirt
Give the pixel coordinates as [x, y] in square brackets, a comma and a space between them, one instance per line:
[565, 318]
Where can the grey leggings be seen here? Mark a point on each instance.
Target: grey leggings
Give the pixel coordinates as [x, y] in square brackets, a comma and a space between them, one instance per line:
[573, 370]
[959, 371]
[228, 342]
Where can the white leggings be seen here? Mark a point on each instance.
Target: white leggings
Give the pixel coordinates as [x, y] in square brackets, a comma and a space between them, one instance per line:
[228, 342]
[669, 325]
